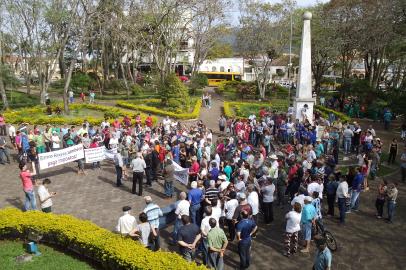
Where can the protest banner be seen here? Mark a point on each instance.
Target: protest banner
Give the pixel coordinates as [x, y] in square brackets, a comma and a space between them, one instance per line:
[181, 174]
[59, 157]
[99, 154]
[94, 154]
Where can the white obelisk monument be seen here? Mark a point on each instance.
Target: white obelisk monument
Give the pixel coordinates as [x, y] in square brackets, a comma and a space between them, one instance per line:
[304, 101]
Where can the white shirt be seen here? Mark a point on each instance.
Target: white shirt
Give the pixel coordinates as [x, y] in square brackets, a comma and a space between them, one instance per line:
[182, 208]
[245, 173]
[253, 200]
[216, 213]
[70, 94]
[311, 156]
[11, 131]
[126, 223]
[55, 141]
[138, 165]
[293, 221]
[312, 187]
[299, 199]
[105, 124]
[342, 190]
[230, 206]
[43, 193]
[205, 226]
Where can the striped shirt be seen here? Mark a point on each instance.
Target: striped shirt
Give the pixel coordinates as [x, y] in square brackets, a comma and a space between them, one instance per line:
[211, 193]
[153, 213]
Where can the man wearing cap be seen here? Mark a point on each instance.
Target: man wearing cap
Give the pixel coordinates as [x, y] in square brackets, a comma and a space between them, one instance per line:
[138, 166]
[323, 258]
[153, 212]
[308, 218]
[127, 222]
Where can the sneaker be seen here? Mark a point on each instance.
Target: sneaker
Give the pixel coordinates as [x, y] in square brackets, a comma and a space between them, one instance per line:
[304, 250]
[378, 217]
[348, 212]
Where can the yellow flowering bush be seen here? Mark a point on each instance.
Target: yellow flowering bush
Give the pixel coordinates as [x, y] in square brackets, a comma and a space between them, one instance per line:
[111, 250]
[153, 110]
[37, 115]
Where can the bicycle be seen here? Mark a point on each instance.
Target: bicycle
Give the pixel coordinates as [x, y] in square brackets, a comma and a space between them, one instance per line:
[330, 240]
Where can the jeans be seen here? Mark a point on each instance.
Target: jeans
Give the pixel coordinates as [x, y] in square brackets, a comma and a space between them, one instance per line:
[354, 200]
[30, 200]
[268, 212]
[347, 145]
[47, 209]
[403, 170]
[137, 178]
[386, 124]
[148, 175]
[391, 210]
[194, 214]
[3, 130]
[188, 255]
[281, 195]
[342, 208]
[330, 202]
[216, 261]
[4, 152]
[231, 229]
[392, 157]
[379, 203]
[176, 227]
[244, 247]
[119, 173]
[168, 188]
[204, 247]
[156, 241]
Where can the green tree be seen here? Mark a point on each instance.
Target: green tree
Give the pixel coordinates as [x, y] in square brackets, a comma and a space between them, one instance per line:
[220, 50]
[173, 91]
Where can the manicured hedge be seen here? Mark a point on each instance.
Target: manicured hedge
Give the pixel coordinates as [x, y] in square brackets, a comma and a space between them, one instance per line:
[325, 112]
[84, 237]
[37, 115]
[149, 109]
[231, 109]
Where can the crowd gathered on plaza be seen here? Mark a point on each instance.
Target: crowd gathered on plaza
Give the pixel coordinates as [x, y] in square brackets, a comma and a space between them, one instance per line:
[238, 175]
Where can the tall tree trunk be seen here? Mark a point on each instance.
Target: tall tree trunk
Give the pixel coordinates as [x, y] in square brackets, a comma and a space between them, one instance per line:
[66, 87]
[61, 62]
[3, 93]
[125, 80]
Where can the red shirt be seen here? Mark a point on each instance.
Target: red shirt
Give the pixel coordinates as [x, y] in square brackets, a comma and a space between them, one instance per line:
[148, 121]
[26, 180]
[195, 168]
[2, 121]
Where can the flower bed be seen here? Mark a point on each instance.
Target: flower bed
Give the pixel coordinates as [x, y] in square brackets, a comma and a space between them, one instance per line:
[110, 250]
[153, 110]
[37, 115]
[325, 111]
[242, 109]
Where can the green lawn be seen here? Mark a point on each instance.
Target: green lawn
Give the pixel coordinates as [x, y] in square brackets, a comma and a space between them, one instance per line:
[19, 99]
[49, 260]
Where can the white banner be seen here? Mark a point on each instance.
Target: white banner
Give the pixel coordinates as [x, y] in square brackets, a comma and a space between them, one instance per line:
[99, 154]
[94, 154]
[59, 157]
[181, 174]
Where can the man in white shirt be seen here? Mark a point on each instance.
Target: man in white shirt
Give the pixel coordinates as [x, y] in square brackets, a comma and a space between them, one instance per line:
[45, 196]
[253, 200]
[182, 208]
[311, 155]
[205, 228]
[315, 187]
[138, 166]
[230, 207]
[127, 222]
[342, 195]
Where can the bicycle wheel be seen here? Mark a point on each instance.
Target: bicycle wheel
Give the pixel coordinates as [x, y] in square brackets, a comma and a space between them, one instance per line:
[330, 240]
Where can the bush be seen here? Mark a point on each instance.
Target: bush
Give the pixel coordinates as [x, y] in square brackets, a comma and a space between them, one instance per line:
[111, 250]
[81, 80]
[149, 109]
[37, 115]
[136, 89]
[326, 111]
[173, 88]
[198, 81]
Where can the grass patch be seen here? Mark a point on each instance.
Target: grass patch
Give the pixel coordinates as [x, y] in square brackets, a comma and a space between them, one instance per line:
[244, 109]
[50, 258]
[20, 99]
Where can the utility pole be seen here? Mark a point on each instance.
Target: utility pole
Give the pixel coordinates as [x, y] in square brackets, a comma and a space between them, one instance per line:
[290, 50]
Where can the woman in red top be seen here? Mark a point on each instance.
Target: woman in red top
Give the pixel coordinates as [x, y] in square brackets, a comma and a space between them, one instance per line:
[82, 96]
[194, 169]
[25, 176]
[3, 131]
[148, 121]
[365, 172]
[95, 144]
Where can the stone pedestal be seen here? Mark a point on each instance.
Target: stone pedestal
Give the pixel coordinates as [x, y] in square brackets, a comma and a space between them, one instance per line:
[304, 85]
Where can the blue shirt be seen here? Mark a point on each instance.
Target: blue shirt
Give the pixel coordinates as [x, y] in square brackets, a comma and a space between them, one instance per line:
[308, 213]
[214, 173]
[175, 153]
[245, 228]
[323, 259]
[358, 180]
[153, 213]
[195, 196]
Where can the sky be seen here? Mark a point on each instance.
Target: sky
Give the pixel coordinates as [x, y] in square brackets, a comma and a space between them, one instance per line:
[301, 3]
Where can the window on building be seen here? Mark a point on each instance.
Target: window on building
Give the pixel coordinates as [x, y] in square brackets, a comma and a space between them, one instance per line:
[221, 69]
[214, 69]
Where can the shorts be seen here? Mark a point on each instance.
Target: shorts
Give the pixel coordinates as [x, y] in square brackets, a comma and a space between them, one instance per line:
[307, 231]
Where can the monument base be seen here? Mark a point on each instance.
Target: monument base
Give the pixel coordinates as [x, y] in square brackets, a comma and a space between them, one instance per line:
[300, 111]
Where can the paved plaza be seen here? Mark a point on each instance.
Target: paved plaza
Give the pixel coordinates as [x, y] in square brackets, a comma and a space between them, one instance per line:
[364, 242]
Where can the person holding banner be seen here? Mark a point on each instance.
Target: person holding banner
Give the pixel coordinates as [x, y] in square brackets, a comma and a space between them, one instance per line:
[138, 166]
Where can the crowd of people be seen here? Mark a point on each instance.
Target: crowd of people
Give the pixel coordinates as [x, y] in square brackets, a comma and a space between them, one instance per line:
[236, 177]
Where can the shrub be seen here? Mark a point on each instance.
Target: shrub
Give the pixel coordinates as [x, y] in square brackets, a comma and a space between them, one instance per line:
[37, 116]
[81, 80]
[198, 81]
[111, 250]
[185, 115]
[173, 88]
[325, 112]
[136, 89]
